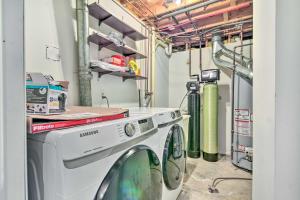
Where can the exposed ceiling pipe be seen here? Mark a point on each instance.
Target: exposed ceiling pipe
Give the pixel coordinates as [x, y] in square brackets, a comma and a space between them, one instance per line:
[168, 47]
[207, 15]
[208, 37]
[188, 9]
[242, 20]
[227, 31]
[85, 76]
[242, 63]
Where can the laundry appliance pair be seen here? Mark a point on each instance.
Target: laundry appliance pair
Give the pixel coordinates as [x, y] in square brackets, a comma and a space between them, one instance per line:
[116, 160]
[172, 153]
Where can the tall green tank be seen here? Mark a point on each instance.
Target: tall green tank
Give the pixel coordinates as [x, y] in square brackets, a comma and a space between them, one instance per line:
[210, 122]
[194, 125]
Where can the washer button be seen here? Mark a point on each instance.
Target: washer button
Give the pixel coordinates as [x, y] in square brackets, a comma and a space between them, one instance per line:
[173, 115]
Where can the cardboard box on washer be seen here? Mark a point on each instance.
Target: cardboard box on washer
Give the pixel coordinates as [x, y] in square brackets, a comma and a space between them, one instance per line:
[44, 95]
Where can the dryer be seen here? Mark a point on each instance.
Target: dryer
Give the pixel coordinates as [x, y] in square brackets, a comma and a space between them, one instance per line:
[116, 160]
[172, 147]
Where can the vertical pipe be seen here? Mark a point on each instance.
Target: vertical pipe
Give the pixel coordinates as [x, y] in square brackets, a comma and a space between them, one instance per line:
[147, 43]
[150, 60]
[232, 104]
[83, 53]
[200, 49]
[140, 100]
[190, 60]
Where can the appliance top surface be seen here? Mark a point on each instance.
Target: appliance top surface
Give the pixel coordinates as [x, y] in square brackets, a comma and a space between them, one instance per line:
[161, 115]
[77, 129]
[80, 141]
[153, 110]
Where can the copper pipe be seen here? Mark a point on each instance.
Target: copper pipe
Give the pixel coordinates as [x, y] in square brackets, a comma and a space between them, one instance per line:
[213, 25]
[212, 6]
[188, 9]
[208, 15]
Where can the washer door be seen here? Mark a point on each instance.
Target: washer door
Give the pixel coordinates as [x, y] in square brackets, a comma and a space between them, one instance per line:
[135, 176]
[174, 158]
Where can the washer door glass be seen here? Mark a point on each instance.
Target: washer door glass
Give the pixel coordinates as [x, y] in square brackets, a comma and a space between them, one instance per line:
[135, 176]
[174, 158]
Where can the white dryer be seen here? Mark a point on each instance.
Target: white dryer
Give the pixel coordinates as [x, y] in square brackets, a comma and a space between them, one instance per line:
[116, 160]
[172, 147]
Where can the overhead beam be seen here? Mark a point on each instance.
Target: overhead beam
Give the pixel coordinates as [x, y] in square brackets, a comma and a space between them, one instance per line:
[176, 21]
[208, 15]
[212, 7]
[248, 30]
[190, 30]
[188, 9]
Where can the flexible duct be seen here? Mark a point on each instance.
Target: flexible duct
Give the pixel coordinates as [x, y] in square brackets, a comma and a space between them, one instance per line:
[243, 65]
[83, 54]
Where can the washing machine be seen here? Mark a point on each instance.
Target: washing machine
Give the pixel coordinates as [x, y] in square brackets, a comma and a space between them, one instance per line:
[116, 160]
[172, 147]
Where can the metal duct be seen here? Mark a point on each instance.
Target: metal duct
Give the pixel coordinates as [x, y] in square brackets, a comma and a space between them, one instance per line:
[168, 47]
[85, 75]
[243, 65]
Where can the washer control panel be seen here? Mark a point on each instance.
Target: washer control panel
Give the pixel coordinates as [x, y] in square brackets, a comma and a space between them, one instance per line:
[146, 124]
[129, 129]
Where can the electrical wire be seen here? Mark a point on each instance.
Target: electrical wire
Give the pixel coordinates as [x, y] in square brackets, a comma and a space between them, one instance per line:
[187, 93]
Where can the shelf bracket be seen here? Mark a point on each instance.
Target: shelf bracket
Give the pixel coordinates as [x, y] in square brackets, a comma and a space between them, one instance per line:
[103, 19]
[100, 74]
[127, 33]
[129, 54]
[125, 78]
[104, 45]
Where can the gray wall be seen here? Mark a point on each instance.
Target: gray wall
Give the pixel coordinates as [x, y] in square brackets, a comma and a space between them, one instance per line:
[179, 76]
[12, 102]
[276, 100]
[53, 23]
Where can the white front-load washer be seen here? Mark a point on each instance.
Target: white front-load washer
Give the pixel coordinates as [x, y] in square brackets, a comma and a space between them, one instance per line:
[172, 147]
[116, 160]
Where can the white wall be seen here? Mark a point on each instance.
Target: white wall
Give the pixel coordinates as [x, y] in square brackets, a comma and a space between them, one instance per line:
[288, 101]
[161, 97]
[179, 76]
[53, 23]
[12, 102]
[276, 100]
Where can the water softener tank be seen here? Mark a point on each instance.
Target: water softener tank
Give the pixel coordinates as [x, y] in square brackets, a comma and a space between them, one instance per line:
[194, 123]
[210, 122]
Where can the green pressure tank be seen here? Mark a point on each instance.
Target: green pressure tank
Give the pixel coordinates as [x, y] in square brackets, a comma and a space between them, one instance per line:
[194, 125]
[210, 122]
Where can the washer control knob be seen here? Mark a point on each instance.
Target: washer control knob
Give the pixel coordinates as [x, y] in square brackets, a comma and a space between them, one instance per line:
[173, 115]
[129, 129]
